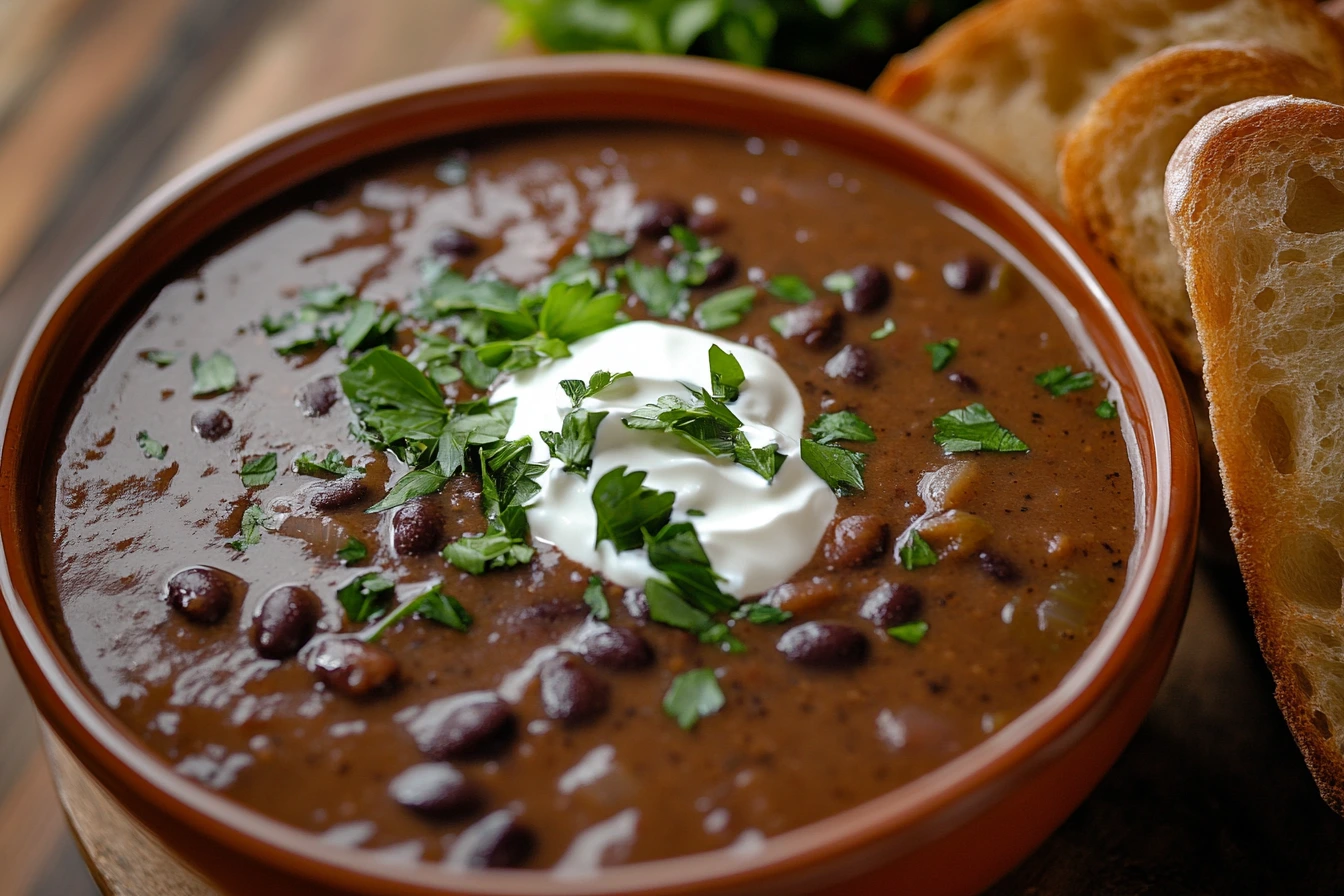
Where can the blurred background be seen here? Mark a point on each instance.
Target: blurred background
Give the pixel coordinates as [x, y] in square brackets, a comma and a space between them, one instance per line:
[101, 101]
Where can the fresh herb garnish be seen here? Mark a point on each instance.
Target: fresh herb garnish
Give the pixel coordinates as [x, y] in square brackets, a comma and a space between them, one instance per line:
[433, 605]
[331, 315]
[475, 554]
[152, 448]
[762, 614]
[790, 288]
[911, 632]
[365, 596]
[838, 282]
[973, 428]
[353, 552]
[1106, 410]
[690, 266]
[842, 425]
[213, 375]
[415, 484]
[942, 352]
[840, 468]
[577, 390]
[158, 358]
[725, 375]
[659, 293]
[596, 599]
[605, 246]
[625, 508]
[1062, 380]
[309, 464]
[725, 309]
[668, 607]
[707, 427]
[764, 461]
[259, 470]
[573, 444]
[508, 483]
[693, 695]
[521, 338]
[916, 553]
[254, 521]
[888, 327]
[676, 552]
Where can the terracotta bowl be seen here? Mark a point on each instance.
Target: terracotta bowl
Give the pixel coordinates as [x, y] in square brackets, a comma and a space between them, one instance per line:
[148, 831]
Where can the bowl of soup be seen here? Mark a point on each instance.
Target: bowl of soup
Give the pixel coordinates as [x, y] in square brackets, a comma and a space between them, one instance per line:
[589, 475]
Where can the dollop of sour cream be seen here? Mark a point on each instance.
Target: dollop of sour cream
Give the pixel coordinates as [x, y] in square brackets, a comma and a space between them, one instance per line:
[757, 534]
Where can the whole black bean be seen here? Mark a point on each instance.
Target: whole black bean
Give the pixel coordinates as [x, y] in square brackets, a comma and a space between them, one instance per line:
[452, 241]
[855, 540]
[317, 397]
[720, 270]
[824, 644]
[211, 425]
[966, 274]
[337, 493]
[551, 610]
[352, 667]
[655, 217]
[285, 619]
[816, 324]
[435, 789]
[964, 380]
[871, 289]
[570, 692]
[474, 724]
[998, 567]
[499, 840]
[417, 528]
[892, 603]
[202, 593]
[609, 647]
[853, 364]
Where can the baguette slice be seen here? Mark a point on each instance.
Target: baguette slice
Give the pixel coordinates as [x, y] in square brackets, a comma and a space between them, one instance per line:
[1113, 165]
[1255, 197]
[1012, 77]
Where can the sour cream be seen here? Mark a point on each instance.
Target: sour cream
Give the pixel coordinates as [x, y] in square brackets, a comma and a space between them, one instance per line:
[757, 534]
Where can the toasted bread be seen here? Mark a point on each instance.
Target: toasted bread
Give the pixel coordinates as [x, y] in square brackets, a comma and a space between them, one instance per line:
[1255, 198]
[1012, 77]
[1113, 165]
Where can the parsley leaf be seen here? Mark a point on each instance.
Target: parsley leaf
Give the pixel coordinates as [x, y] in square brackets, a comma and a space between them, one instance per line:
[942, 353]
[625, 508]
[790, 288]
[433, 605]
[657, 291]
[158, 358]
[213, 375]
[596, 599]
[254, 521]
[725, 309]
[840, 468]
[690, 266]
[762, 614]
[846, 425]
[152, 448]
[309, 464]
[1062, 380]
[911, 632]
[415, 484]
[692, 696]
[365, 596]
[838, 282]
[475, 554]
[676, 552]
[353, 552]
[397, 406]
[916, 552]
[1106, 410]
[259, 470]
[606, 245]
[577, 390]
[573, 444]
[888, 327]
[764, 461]
[725, 375]
[568, 313]
[973, 428]
[707, 428]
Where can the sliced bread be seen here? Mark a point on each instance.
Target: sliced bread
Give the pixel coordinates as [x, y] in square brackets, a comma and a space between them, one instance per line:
[1113, 164]
[1255, 198]
[1012, 77]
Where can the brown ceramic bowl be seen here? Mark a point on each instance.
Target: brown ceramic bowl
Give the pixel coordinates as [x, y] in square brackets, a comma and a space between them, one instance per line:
[148, 831]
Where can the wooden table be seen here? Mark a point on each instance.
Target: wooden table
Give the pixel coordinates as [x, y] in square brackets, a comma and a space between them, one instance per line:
[102, 100]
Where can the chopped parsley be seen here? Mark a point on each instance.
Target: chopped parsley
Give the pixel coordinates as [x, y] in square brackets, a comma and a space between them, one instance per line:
[692, 696]
[838, 467]
[415, 484]
[842, 425]
[158, 358]
[596, 599]
[433, 605]
[764, 461]
[365, 596]
[910, 633]
[725, 375]
[1062, 380]
[725, 309]
[309, 464]
[973, 428]
[508, 483]
[888, 327]
[707, 427]
[521, 338]
[916, 553]
[577, 390]
[790, 288]
[1106, 410]
[625, 508]
[152, 448]
[838, 282]
[259, 470]
[573, 444]
[676, 552]
[762, 614]
[213, 375]
[690, 266]
[331, 315]
[254, 522]
[353, 552]
[942, 352]
[659, 292]
[475, 554]
[669, 607]
[605, 246]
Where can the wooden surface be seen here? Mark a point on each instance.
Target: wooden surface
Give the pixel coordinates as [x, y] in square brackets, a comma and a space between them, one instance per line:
[102, 100]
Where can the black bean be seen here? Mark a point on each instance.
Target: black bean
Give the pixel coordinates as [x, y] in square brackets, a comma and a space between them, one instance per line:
[966, 274]
[286, 618]
[317, 397]
[452, 241]
[499, 840]
[202, 593]
[570, 692]
[824, 644]
[551, 610]
[706, 223]
[853, 364]
[998, 567]
[337, 493]
[615, 648]
[211, 425]
[352, 667]
[892, 603]
[855, 540]
[474, 724]
[435, 789]
[816, 324]
[655, 217]
[720, 270]
[871, 289]
[964, 380]
[417, 528]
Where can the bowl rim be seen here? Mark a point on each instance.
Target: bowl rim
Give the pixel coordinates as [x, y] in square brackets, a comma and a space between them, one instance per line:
[1158, 571]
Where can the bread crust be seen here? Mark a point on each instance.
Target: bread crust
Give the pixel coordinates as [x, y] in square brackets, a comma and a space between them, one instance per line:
[1112, 167]
[1232, 189]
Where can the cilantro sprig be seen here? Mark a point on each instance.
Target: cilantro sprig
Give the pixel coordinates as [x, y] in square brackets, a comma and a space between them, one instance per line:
[1062, 380]
[692, 696]
[433, 605]
[973, 428]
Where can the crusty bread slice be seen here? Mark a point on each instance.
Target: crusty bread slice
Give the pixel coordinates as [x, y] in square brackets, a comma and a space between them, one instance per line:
[1012, 77]
[1114, 163]
[1255, 198]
